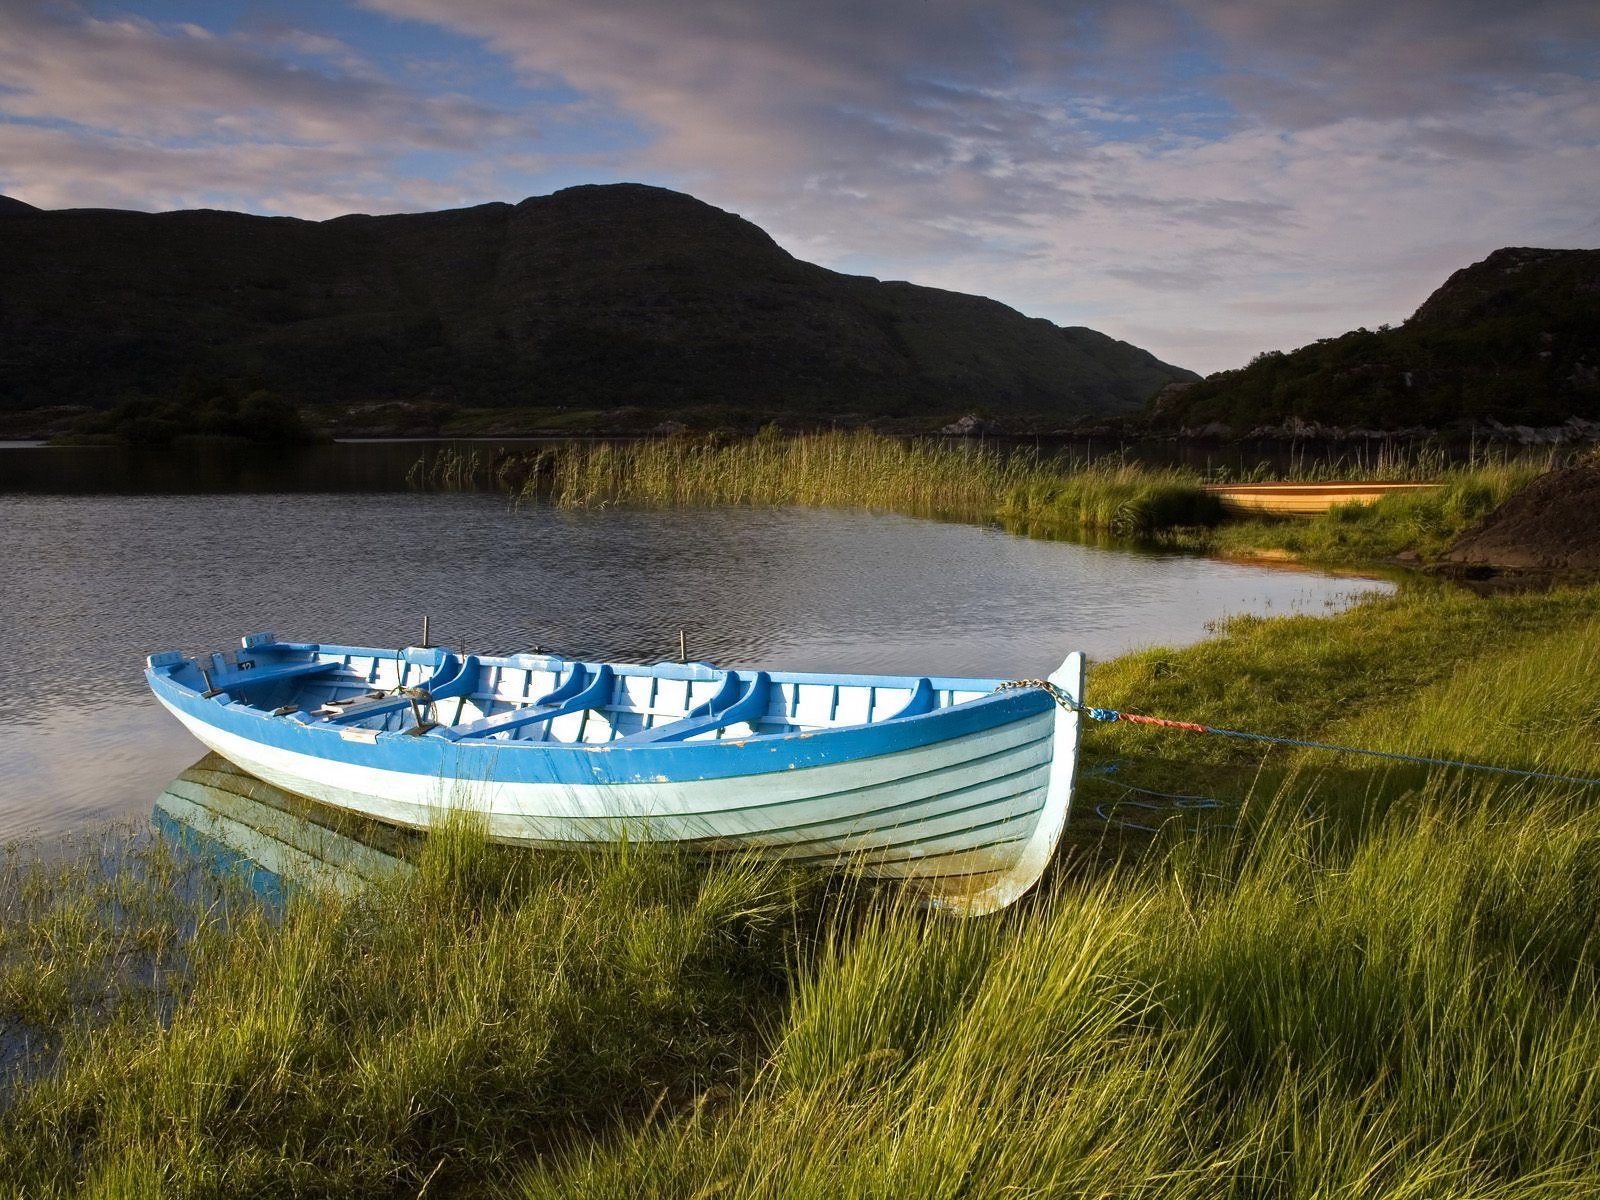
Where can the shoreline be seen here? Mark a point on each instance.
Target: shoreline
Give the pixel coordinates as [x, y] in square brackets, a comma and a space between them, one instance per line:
[1227, 971]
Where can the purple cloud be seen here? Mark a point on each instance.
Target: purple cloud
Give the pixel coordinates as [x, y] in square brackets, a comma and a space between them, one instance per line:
[1208, 179]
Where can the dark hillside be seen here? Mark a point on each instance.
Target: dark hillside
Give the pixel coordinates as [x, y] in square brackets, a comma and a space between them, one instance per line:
[1514, 339]
[592, 297]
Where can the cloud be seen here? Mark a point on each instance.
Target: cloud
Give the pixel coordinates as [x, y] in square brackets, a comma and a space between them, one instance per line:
[77, 169]
[126, 75]
[1116, 165]
[1208, 178]
[102, 107]
[1300, 65]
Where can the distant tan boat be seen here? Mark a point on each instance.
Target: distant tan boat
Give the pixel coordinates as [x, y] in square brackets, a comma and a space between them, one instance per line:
[1302, 499]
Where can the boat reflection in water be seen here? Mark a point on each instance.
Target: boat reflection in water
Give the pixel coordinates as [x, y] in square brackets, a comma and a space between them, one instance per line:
[272, 840]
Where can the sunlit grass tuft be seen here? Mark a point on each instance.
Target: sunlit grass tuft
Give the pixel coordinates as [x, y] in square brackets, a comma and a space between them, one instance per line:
[1422, 523]
[1410, 1012]
[1381, 982]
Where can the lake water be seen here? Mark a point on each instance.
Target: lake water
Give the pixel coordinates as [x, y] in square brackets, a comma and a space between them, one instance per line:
[93, 582]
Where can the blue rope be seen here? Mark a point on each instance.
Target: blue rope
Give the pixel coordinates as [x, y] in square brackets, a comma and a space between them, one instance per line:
[1111, 714]
[1178, 802]
[1178, 799]
[1124, 823]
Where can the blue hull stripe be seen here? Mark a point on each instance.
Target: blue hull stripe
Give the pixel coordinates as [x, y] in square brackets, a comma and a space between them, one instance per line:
[600, 762]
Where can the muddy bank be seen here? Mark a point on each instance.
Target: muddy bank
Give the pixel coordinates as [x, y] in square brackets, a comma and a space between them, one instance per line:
[1551, 525]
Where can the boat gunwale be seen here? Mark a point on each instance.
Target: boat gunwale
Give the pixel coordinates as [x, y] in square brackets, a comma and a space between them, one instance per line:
[691, 671]
[578, 763]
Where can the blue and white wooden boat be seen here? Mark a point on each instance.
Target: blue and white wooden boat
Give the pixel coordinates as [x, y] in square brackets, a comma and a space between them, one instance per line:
[957, 788]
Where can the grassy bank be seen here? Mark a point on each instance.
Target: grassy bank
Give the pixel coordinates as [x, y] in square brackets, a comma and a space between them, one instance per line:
[1414, 1015]
[1017, 487]
[1380, 982]
[1415, 523]
[485, 1009]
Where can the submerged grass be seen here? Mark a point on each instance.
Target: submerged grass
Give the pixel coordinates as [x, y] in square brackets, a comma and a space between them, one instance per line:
[1381, 983]
[94, 930]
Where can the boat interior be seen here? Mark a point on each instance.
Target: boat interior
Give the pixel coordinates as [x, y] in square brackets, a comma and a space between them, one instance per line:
[524, 698]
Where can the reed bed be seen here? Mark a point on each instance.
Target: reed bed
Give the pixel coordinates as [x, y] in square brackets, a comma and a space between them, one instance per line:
[1391, 463]
[1019, 487]
[863, 470]
[453, 470]
[1381, 983]
[1025, 490]
[830, 469]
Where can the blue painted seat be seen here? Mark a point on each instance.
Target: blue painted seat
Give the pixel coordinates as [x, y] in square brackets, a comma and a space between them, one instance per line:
[454, 677]
[923, 700]
[579, 692]
[252, 676]
[222, 676]
[729, 706]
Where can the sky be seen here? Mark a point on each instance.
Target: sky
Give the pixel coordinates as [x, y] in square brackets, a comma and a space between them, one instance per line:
[1207, 179]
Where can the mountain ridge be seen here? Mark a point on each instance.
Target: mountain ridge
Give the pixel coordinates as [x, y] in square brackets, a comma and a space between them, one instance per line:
[1511, 340]
[598, 295]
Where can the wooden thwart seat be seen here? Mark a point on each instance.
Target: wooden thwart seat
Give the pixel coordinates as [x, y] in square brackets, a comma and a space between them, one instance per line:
[731, 705]
[453, 678]
[580, 691]
[252, 676]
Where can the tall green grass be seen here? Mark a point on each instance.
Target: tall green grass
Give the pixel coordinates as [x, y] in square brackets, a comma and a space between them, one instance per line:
[438, 1028]
[1382, 982]
[1422, 523]
[1020, 487]
[863, 470]
[1411, 1015]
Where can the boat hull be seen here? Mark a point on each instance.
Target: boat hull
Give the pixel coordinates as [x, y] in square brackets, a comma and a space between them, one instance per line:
[966, 805]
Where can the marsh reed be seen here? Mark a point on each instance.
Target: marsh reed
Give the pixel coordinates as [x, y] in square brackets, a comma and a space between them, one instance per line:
[863, 470]
[1024, 488]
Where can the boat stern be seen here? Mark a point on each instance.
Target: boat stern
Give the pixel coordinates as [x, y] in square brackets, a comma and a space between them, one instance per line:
[1029, 864]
